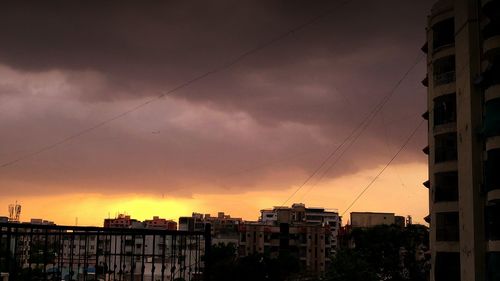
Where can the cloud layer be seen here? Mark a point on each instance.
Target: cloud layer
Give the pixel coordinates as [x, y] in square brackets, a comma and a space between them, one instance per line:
[265, 123]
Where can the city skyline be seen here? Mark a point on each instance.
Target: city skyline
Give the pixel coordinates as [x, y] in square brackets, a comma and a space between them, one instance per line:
[239, 140]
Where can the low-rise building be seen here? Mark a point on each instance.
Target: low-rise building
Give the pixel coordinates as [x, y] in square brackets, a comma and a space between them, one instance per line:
[159, 223]
[371, 219]
[120, 221]
[224, 228]
[299, 213]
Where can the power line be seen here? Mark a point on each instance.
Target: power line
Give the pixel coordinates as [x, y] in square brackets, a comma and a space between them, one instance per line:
[181, 86]
[385, 167]
[357, 132]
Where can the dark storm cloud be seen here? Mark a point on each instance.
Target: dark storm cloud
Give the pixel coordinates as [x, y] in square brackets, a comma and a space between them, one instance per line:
[326, 77]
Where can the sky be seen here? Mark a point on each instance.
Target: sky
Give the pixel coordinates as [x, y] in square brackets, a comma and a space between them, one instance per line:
[239, 139]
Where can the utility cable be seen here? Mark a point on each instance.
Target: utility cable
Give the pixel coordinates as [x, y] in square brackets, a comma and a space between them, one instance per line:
[356, 133]
[181, 86]
[384, 168]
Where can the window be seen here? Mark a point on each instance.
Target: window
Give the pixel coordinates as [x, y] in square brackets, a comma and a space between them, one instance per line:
[492, 118]
[447, 228]
[444, 70]
[492, 214]
[446, 147]
[493, 266]
[447, 266]
[445, 109]
[446, 186]
[492, 176]
[491, 29]
[443, 33]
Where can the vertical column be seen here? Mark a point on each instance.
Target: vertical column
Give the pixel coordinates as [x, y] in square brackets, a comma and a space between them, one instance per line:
[470, 147]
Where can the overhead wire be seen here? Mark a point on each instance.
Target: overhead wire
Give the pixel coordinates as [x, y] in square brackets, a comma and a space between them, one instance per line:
[181, 86]
[363, 191]
[356, 133]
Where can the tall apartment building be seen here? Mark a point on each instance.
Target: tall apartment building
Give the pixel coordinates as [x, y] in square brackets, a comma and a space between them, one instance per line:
[299, 213]
[463, 80]
[309, 243]
[224, 228]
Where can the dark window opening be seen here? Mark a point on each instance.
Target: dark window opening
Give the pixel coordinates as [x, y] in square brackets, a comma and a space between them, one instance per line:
[492, 175]
[447, 266]
[443, 33]
[491, 75]
[491, 29]
[493, 266]
[492, 213]
[445, 109]
[444, 70]
[446, 147]
[446, 186]
[447, 228]
[492, 118]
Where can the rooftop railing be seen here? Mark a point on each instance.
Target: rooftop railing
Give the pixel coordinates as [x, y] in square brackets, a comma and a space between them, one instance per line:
[52, 252]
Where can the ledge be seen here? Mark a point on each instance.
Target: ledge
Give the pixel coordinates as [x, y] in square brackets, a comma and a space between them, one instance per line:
[493, 246]
[444, 128]
[444, 207]
[493, 143]
[447, 246]
[491, 47]
[492, 92]
[494, 195]
[448, 166]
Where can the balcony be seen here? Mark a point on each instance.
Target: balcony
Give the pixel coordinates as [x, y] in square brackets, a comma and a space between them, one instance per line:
[444, 70]
[446, 187]
[447, 267]
[445, 109]
[443, 34]
[492, 221]
[492, 175]
[447, 228]
[491, 124]
[445, 148]
[444, 78]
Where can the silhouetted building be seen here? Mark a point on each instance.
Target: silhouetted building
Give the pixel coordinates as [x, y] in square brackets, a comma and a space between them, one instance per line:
[310, 244]
[224, 228]
[41, 221]
[463, 80]
[121, 221]
[371, 219]
[299, 213]
[159, 223]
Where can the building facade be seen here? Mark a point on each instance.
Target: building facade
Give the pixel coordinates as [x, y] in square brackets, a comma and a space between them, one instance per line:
[299, 213]
[159, 223]
[224, 228]
[371, 219]
[310, 244]
[463, 80]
